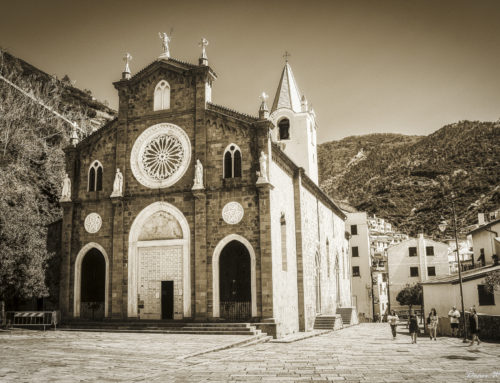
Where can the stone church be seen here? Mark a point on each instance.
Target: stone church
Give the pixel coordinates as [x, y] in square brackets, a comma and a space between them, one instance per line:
[181, 209]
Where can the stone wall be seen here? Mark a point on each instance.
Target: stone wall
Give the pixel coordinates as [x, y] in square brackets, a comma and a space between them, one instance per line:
[285, 302]
[320, 224]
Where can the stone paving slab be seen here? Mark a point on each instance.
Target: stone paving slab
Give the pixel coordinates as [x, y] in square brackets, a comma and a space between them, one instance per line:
[53, 356]
[364, 353]
[295, 337]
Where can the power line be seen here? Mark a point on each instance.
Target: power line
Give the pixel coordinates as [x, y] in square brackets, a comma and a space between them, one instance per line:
[41, 103]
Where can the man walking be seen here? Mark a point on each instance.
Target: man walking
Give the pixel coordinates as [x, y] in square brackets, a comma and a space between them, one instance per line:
[454, 316]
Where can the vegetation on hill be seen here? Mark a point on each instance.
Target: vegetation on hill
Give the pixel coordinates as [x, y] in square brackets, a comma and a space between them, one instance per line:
[32, 168]
[409, 179]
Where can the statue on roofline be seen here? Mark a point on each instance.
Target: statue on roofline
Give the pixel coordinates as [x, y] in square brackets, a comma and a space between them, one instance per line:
[165, 39]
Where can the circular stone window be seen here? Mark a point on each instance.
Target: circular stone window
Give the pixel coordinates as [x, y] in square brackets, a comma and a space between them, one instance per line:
[232, 213]
[93, 223]
[160, 155]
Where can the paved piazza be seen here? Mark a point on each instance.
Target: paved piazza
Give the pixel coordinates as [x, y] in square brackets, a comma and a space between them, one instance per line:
[364, 353]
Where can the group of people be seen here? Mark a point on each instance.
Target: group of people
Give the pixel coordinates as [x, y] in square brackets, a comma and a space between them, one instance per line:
[433, 322]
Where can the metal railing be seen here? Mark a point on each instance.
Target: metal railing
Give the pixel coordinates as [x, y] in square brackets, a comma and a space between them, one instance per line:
[235, 310]
[92, 310]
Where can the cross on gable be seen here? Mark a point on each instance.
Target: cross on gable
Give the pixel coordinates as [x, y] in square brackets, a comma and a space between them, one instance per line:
[286, 56]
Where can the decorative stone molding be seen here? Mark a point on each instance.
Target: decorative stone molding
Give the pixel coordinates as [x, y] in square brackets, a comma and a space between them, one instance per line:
[160, 155]
[93, 223]
[232, 213]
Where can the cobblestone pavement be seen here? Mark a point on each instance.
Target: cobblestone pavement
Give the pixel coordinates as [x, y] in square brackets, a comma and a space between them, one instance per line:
[364, 353]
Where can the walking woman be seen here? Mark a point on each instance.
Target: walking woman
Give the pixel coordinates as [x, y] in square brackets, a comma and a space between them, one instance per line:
[392, 319]
[432, 323]
[413, 325]
[474, 325]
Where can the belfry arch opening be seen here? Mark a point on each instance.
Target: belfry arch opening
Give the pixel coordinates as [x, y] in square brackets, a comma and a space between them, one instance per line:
[93, 285]
[235, 282]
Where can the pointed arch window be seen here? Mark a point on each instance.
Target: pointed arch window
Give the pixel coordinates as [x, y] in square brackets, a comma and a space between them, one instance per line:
[328, 258]
[284, 129]
[284, 258]
[95, 177]
[232, 161]
[162, 96]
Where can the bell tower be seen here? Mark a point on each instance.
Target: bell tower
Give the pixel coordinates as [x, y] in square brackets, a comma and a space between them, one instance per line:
[295, 123]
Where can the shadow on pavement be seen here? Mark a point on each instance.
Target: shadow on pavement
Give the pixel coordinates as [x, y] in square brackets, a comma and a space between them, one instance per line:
[461, 357]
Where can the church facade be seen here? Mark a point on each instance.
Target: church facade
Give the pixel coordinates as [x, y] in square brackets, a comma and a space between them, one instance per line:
[180, 209]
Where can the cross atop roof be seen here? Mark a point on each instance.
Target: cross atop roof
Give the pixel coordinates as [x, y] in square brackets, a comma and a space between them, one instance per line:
[286, 56]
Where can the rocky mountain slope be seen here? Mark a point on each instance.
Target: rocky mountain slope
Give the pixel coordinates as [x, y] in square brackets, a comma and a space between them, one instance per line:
[73, 102]
[409, 179]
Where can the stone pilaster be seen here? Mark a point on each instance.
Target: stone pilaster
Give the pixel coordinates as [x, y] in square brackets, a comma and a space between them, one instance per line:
[200, 255]
[65, 284]
[263, 144]
[297, 181]
[118, 262]
[266, 256]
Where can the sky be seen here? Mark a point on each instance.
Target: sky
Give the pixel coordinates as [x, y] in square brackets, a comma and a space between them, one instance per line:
[369, 66]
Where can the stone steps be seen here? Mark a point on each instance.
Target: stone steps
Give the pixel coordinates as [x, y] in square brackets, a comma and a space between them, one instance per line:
[163, 327]
[325, 322]
[160, 331]
[345, 313]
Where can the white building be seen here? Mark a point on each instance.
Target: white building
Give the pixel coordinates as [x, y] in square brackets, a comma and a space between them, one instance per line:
[442, 293]
[415, 260]
[486, 238]
[370, 238]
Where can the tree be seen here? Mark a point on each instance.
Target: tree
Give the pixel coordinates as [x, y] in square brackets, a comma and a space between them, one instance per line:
[31, 171]
[410, 295]
[492, 281]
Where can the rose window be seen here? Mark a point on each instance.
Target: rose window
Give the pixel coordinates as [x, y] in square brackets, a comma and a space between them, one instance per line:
[162, 157]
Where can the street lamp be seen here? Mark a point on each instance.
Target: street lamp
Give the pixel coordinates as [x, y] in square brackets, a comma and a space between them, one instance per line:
[442, 226]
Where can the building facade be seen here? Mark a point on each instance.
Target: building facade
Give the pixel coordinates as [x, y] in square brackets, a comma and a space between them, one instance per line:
[413, 261]
[442, 293]
[486, 239]
[369, 239]
[180, 209]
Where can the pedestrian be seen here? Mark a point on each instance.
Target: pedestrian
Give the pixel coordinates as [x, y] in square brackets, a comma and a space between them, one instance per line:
[474, 325]
[413, 326]
[392, 319]
[454, 316]
[432, 323]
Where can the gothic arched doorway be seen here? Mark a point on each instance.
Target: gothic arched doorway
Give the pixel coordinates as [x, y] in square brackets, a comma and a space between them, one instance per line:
[93, 285]
[159, 284]
[235, 282]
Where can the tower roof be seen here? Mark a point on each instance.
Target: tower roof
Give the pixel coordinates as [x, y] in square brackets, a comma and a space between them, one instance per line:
[287, 94]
